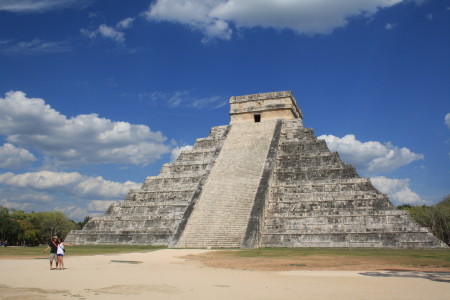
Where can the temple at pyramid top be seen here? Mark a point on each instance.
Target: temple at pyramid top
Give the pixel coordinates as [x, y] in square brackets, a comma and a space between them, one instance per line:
[265, 106]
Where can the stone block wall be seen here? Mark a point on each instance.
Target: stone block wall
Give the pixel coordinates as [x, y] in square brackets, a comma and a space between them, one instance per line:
[316, 200]
[152, 214]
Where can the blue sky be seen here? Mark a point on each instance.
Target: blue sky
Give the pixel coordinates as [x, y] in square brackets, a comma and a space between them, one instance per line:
[97, 95]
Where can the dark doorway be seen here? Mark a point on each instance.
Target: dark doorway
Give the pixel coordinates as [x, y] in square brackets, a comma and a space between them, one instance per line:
[257, 118]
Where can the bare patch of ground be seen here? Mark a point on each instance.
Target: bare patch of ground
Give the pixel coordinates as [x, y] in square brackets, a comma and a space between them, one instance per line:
[223, 259]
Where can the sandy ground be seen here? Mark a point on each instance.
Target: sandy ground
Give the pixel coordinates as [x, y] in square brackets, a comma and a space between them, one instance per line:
[168, 274]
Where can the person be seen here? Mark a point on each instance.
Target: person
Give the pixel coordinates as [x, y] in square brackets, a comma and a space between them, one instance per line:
[60, 253]
[53, 246]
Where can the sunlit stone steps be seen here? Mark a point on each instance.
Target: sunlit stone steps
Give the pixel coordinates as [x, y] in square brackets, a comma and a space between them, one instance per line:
[221, 215]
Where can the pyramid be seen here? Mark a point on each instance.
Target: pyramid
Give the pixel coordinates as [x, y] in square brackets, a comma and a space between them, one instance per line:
[262, 181]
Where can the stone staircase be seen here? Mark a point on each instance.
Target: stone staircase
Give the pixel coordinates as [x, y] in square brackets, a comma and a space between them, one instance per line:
[151, 215]
[221, 215]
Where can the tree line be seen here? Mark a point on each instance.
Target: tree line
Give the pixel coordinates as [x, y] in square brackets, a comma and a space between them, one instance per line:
[28, 229]
[20, 228]
[435, 217]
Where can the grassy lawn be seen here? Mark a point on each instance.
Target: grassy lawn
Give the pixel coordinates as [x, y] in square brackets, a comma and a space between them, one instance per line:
[329, 259]
[75, 250]
[439, 254]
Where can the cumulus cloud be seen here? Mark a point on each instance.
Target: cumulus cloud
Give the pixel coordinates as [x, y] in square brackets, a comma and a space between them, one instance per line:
[176, 152]
[115, 34]
[24, 199]
[83, 139]
[447, 120]
[370, 156]
[13, 157]
[69, 192]
[37, 6]
[69, 183]
[107, 32]
[398, 190]
[125, 23]
[111, 33]
[100, 205]
[15, 205]
[73, 212]
[215, 18]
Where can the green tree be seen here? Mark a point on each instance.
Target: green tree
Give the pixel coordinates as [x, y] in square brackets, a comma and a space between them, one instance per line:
[50, 224]
[440, 219]
[81, 224]
[29, 235]
[436, 217]
[9, 228]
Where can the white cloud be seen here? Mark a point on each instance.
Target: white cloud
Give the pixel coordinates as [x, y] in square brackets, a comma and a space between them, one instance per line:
[111, 33]
[83, 139]
[34, 197]
[37, 6]
[125, 23]
[71, 193]
[390, 26]
[429, 17]
[24, 200]
[176, 152]
[34, 47]
[398, 190]
[13, 157]
[177, 99]
[69, 183]
[215, 17]
[107, 32]
[211, 102]
[447, 120]
[14, 204]
[100, 205]
[186, 99]
[115, 34]
[370, 156]
[73, 212]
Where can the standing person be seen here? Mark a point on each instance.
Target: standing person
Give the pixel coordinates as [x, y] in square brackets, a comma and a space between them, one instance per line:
[53, 246]
[60, 254]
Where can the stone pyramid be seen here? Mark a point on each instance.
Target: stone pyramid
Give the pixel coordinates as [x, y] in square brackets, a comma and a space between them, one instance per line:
[262, 181]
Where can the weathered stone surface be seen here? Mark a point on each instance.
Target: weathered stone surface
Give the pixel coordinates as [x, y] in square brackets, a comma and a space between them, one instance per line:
[152, 214]
[262, 181]
[316, 200]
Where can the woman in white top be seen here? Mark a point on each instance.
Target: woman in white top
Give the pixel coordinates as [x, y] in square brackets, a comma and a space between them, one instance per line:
[60, 254]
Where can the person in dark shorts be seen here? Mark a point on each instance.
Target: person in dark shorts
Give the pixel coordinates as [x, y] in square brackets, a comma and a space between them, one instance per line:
[53, 246]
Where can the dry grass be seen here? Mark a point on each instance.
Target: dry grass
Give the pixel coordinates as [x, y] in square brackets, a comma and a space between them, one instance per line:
[328, 259]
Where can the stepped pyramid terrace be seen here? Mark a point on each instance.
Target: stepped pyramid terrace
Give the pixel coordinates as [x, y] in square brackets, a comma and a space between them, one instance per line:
[264, 180]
